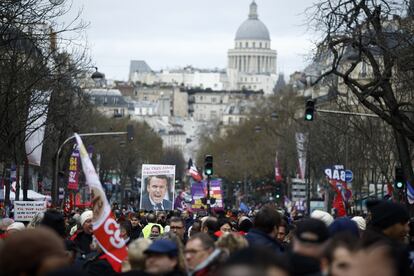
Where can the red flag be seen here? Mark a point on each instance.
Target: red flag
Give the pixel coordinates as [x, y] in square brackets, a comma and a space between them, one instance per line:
[105, 228]
[338, 201]
[278, 173]
[193, 172]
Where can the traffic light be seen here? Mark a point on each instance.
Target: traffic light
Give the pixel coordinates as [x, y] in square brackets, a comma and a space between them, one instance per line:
[309, 110]
[130, 132]
[208, 165]
[278, 192]
[399, 178]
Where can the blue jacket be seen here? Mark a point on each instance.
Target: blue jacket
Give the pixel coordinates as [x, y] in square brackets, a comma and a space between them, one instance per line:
[257, 238]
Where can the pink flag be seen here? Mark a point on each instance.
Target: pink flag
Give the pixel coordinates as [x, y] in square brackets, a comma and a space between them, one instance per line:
[105, 228]
[278, 173]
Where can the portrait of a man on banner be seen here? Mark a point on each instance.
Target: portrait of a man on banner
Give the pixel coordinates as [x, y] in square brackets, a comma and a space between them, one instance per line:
[157, 187]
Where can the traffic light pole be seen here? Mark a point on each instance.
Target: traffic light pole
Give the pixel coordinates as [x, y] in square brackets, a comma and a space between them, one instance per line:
[208, 195]
[55, 184]
[346, 113]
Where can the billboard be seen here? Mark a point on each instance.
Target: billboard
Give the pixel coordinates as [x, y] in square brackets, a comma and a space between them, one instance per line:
[157, 187]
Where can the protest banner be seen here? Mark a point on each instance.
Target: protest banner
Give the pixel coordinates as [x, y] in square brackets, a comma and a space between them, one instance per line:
[73, 170]
[105, 228]
[26, 210]
[199, 191]
[157, 187]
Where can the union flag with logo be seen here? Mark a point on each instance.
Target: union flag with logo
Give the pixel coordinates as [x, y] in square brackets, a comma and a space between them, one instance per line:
[105, 228]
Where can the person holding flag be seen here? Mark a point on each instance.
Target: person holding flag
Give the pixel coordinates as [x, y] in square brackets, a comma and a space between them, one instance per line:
[105, 228]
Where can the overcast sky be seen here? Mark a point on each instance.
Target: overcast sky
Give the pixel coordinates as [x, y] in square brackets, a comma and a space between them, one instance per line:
[170, 34]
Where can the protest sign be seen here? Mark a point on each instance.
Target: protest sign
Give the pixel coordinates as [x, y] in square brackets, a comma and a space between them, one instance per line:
[199, 191]
[157, 187]
[26, 210]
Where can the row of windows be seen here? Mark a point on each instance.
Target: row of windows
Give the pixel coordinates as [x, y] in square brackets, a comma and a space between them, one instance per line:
[213, 99]
[115, 100]
[251, 44]
[246, 79]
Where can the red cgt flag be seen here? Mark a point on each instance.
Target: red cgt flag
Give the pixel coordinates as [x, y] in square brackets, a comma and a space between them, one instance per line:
[105, 228]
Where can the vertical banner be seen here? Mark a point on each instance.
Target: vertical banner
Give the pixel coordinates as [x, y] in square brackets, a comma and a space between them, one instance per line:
[105, 228]
[35, 129]
[157, 187]
[278, 173]
[74, 169]
[301, 148]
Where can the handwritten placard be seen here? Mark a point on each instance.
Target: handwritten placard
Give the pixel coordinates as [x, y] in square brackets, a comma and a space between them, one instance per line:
[26, 210]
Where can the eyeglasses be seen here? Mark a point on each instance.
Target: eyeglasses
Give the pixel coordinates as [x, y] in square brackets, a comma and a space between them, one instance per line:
[176, 227]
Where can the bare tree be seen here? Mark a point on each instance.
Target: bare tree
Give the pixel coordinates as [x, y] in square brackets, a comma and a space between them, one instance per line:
[368, 45]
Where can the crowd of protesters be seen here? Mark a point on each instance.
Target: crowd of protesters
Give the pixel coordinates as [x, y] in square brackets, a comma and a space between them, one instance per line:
[264, 242]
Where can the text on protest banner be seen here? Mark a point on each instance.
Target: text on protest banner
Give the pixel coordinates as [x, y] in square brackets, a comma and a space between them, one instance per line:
[26, 210]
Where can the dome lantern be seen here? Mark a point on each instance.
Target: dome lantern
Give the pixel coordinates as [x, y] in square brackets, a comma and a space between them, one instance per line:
[253, 28]
[253, 11]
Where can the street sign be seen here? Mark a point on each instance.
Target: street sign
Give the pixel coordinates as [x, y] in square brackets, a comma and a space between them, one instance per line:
[349, 176]
[298, 189]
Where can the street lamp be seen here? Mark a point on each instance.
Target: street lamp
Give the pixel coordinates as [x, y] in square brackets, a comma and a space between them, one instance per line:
[97, 76]
[55, 185]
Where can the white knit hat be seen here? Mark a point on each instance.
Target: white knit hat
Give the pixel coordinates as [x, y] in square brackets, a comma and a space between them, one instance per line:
[18, 226]
[85, 216]
[323, 216]
[360, 221]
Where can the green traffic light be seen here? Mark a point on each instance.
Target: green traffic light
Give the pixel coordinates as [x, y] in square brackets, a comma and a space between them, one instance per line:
[399, 185]
[308, 117]
[209, 172]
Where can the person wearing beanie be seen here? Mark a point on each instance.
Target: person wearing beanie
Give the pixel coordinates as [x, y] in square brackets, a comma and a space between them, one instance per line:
[361, 223]
[83, 238]
[15, 227]
[245, 224]
[389, 218]
[343, 225]
[323, 216]
[4, 223]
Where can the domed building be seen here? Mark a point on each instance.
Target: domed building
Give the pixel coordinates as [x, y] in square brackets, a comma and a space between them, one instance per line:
[252, 62]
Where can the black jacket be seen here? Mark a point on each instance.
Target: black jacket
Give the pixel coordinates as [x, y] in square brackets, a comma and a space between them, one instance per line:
[97, 266]
[83, 242]
[257, 238]
[146, 203]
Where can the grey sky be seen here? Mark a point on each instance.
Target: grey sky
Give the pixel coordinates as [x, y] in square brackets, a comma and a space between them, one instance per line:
[168, 34]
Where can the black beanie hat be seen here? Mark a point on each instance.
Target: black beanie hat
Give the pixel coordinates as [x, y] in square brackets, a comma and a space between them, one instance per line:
[385, 213]
[54, 220]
